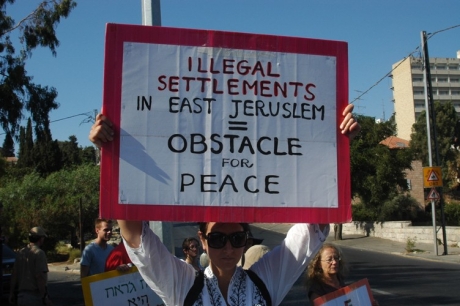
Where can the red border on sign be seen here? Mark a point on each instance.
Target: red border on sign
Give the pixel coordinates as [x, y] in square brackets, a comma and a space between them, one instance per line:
[117, 34]
[343, 291]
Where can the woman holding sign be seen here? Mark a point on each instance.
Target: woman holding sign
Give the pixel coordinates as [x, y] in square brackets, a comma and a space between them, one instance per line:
[223, 282]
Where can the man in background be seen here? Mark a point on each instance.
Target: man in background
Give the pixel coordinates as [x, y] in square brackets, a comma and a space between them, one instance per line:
[95, 254]
[30, 273]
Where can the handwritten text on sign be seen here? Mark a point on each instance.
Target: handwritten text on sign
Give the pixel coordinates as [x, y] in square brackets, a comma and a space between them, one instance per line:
[227, 127]
[118, 289]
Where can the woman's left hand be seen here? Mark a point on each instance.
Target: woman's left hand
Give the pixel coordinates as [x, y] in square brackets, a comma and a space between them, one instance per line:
[349, 125]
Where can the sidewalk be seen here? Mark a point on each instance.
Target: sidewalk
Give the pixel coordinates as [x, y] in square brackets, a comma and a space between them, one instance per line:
[421, 250]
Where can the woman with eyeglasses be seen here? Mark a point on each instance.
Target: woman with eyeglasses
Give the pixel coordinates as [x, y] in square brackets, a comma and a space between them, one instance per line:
[223, 282]
[191, 248]
[326, 272]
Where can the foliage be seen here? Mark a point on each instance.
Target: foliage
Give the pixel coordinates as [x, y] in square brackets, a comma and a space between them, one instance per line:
[17, 91]
[401, 207]
[410, 244]
[52, 202]
[74, 254]
[363, 213]
[8, 146]
[452, 214]
[446, 119]
[377, 172]
[72, 155]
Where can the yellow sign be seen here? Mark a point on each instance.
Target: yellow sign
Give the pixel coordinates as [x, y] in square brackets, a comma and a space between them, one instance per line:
[432, 177]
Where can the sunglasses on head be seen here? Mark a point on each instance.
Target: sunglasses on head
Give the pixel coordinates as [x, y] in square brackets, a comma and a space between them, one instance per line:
[218, 240]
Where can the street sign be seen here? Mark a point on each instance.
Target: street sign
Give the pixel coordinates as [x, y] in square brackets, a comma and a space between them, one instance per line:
[433, 195]
[432, 177]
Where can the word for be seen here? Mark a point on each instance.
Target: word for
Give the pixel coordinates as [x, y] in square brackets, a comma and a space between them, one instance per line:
[206, 182]
[236, 162]
[232, 87]
[199, 144]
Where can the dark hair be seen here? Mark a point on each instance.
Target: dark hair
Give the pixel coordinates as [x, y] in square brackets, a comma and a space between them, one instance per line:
[203, 226]
[187, 241]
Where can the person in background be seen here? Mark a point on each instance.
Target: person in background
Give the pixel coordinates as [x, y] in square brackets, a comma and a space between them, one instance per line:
[253, 254]
[204, 260]
[326, 272]
[30, 273]
[191, 247]
[252, 241]
[118, 259]
[95, 254]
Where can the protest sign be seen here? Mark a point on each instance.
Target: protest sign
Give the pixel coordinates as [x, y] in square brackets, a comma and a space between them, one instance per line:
[219, 126]
[116, 288]
[356, 294]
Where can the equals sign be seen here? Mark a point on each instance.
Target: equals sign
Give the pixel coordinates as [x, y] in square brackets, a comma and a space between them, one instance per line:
[237, 125]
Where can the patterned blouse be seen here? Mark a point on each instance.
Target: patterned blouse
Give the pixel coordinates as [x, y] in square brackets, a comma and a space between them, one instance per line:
[172, 278]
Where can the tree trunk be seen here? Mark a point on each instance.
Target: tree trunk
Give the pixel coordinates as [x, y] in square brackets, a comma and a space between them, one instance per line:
[338, 231]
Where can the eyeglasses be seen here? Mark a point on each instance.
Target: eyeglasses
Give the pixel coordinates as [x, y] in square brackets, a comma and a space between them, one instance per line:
[330, 260]
[217, 240]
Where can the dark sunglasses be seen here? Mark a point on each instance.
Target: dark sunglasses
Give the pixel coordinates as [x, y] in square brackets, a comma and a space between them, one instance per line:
[217, 240]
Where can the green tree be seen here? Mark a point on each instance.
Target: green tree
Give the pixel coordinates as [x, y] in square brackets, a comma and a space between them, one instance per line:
[17, 91]
[8, 146]
[377, 172]
[446, 119]
[47, 156]
[88, 155]
[26, 146]
[70, 152]
[52, 202]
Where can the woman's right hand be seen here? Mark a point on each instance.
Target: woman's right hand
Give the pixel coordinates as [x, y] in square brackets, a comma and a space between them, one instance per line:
[101, 131]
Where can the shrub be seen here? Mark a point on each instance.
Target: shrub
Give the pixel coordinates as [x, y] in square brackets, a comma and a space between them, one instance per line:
[74, 253]
[401, 207]
[452, 214]
[362, 213]
[410, 244]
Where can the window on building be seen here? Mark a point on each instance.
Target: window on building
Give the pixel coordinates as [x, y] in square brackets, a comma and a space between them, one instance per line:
[442, 80]
[417, 79]
[453, 67]
[441, 67]
[455, 92]
[454, 79]
[416, 66]
[418, 92]
[443, 92]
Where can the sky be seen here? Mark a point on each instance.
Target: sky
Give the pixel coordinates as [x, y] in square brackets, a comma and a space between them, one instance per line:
[379, 34]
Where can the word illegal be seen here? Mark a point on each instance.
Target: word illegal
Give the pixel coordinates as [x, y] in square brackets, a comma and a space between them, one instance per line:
[235, 86]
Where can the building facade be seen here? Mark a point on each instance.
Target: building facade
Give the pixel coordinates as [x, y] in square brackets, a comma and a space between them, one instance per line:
[409, 93]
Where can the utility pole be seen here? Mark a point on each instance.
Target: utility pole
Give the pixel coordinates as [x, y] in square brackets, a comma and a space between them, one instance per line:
[151, 16]
[429, 106]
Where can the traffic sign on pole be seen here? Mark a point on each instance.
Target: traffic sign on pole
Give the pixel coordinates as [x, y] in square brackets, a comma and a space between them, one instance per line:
[433, 195]
[432, 177]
